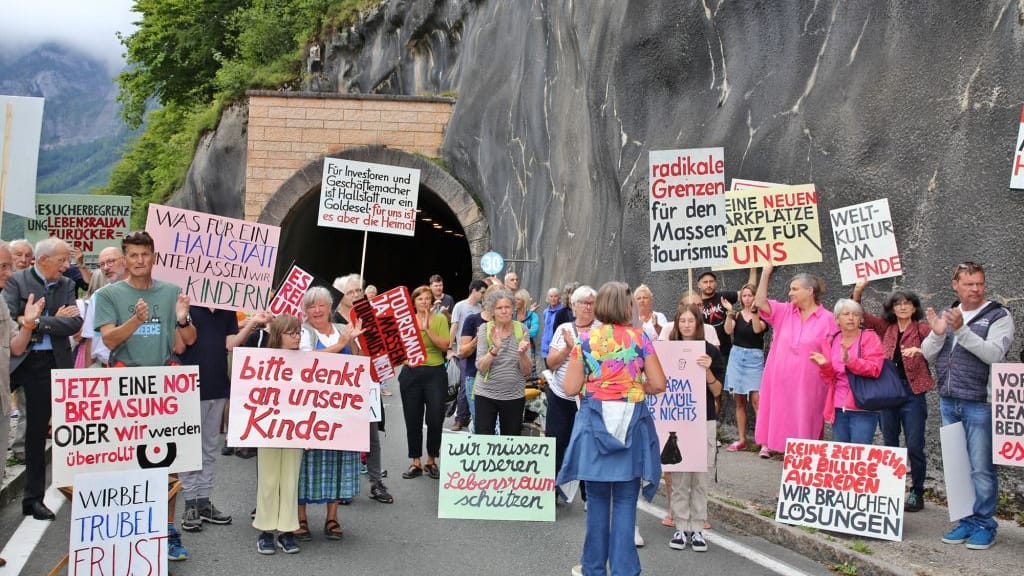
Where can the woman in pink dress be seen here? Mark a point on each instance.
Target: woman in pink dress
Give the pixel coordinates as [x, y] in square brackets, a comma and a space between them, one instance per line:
[792, 392]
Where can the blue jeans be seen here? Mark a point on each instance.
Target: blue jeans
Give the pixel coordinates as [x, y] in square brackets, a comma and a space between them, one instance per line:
[467, 389]
[611, 516]
[977, 420]
[857, 426]
[910, 418]
[462, 411]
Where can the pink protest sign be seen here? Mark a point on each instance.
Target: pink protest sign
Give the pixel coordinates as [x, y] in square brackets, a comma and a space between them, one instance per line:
[218, 262]
[293, 399]
[288, 299]
[1008, 414]
[680, 412]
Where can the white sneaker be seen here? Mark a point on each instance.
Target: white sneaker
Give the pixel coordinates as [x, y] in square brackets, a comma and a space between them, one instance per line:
[577, 570]
[678, 541]
[698, 543]
[637, 538]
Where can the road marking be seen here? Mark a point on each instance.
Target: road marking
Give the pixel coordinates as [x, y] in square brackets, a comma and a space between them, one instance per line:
[25, 539]
[733, 546]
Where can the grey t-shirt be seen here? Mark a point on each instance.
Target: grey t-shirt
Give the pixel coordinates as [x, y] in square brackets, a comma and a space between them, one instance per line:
[462, 311]
[504, 380]
[152, 344]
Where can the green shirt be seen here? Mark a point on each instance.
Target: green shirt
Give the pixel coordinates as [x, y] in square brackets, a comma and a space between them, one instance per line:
[152, 344]
[439, 326]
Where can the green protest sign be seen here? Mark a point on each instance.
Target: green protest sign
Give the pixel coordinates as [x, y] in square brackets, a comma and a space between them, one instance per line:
[497, 478]
[89, 222]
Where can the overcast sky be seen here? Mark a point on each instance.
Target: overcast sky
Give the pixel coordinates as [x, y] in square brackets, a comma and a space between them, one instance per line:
[89, 25]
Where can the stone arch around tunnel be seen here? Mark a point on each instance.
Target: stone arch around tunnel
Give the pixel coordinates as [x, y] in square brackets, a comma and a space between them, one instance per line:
[293, 206]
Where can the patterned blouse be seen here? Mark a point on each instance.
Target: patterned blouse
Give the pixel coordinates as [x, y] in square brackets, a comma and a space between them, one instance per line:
[613, 362]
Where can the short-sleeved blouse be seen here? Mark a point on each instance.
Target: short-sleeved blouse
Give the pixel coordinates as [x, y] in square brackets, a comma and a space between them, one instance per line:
[613, 361]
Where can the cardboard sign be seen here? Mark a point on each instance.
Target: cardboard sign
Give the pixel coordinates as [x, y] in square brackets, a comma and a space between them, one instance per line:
[849, 488]
[288, 298]
[296, 399]
[107, 419]
[772, 225]
[21, 125]
[391, 334]
[497, 478]
[119, 524]
[89, 222]
[865, 242]
[218, 262]
[370, 197]
[1008, 414]
[687, 208]
[680, 412]
[740, 184]
[1017, 175]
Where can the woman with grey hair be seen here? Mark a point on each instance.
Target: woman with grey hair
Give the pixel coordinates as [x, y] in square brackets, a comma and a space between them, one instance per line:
[502, 362]
[792, 391]
[326, 476]
[860, 352]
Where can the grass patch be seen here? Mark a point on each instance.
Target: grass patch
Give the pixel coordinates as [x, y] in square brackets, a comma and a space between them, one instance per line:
[733, 502]
[844, 568]
[861, 547]
[767, 513]
[808, 529]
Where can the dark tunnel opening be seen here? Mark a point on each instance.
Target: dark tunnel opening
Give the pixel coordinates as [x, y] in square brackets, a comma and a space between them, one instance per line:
[438, 247]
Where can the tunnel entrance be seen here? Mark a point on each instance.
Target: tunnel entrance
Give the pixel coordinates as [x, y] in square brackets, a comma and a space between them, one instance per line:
[451, 232]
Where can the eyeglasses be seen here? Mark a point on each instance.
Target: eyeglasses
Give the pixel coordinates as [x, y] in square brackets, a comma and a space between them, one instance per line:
[108, 262]
[353, 291]
[292, 333]
[587, 303]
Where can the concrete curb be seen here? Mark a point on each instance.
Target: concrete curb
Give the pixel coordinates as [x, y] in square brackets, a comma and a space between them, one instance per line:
[816, 546]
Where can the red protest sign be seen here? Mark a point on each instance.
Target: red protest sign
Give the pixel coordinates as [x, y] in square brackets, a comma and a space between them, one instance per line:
[391, 334]
[288, 299]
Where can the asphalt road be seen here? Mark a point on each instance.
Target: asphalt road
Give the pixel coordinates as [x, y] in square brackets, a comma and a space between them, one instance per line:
[407, 537]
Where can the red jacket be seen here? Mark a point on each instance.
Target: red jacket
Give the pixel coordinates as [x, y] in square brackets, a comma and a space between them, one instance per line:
[865, 360]
[916, 366]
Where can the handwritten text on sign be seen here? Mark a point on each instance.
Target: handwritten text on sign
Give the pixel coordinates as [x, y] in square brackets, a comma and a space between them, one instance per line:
[865, 241]
[119, 524]
[295, 399]
[687, 208]
[849, 488]
[288, 299]
[89, 222]
[1008, 414]
[1017, 175]
[370, 197]
[772, 225]
[125, 419]
[218, 262]
[680, 412]
[497, 478]
[391, 334]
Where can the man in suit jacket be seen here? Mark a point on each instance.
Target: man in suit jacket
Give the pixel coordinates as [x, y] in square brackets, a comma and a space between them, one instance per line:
[49, 348]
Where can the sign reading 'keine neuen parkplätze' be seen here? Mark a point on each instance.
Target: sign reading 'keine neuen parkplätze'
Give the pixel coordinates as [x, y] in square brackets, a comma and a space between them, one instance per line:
[370, 197]
[687, 208]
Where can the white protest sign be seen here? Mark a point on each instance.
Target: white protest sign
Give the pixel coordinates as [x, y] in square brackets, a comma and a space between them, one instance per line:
[119, 523]
[956, 471]
[21, 125]
[1017, 176]
[741, 184]
[687, 208]
[370, 197]
[865, 241]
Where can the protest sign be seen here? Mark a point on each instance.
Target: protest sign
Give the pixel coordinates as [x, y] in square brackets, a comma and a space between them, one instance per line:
[497, 478]
[865, 242]
[119, 524]
[370, 197]
[288, 298]
[687, 208]
[21, 125]
[218, 262]
[125, 419]
[740, 184]
[296, 399]
[849, 488]
[1008, 414]
[772, 225]
[391, 334]
[1017, 175]
[956, 471]
[89, 222]
[680, 412]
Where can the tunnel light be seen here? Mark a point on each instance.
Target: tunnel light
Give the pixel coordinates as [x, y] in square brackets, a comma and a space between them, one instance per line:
[427, 219]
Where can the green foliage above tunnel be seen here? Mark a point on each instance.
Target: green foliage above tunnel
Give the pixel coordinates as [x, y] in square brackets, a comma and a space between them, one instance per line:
[188, 58]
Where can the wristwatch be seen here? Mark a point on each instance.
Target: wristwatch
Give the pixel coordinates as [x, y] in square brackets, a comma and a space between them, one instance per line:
[31, 326]
[186, 323]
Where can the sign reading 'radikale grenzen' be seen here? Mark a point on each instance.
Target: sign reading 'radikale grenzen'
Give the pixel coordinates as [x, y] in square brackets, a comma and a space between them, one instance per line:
[370, 197]
[89, 222]
[849, 488]
[687, 208]
[218, 262]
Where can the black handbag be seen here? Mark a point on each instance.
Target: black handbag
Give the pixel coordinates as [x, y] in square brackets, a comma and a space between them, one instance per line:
[670, 454]
[883, 393]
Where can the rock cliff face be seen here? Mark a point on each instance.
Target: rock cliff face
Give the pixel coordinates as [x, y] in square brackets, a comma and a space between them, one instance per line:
[559, 102]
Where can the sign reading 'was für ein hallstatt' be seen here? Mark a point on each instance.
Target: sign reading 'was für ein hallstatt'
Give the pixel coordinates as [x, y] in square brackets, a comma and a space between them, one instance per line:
[369, 197]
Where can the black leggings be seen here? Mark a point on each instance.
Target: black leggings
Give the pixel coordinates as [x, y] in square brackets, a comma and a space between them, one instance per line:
[488, 410]
[423, 389]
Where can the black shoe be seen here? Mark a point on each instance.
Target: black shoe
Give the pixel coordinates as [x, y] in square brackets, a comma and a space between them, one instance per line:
[37, 510]
[245, 453]
[914, 503]
[227, 451]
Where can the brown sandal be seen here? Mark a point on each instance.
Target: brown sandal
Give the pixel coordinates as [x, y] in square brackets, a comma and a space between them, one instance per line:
[302, 534]
[332, 530]
[414, 471]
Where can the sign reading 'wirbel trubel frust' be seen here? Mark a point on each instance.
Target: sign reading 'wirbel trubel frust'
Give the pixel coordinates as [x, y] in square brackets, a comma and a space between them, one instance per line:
[687, 208]
[370, 197]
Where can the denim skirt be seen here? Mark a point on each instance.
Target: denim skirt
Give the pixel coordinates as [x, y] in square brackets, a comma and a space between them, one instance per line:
[745, 369]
